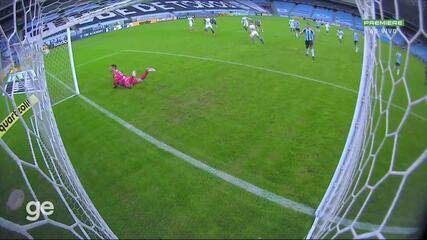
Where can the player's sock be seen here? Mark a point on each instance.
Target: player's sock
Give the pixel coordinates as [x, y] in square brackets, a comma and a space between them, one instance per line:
[398, 71]
[261, 39]
[306, 52]
[312, 52]
[144, 75]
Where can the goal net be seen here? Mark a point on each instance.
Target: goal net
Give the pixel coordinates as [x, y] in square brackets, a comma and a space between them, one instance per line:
[36, 175]
[379, 187]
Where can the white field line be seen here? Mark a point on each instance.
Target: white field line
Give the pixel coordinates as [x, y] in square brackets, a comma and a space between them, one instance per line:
[268, 70]
[98, 58]
[299, 207]
[245, 65]
[199, 164]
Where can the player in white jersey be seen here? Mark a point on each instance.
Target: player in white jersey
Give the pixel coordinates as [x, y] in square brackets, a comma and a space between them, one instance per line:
[208, 26]
[292, 25]
[327, 27]
[245, 22]
[190, 22]
[254, 33]
[340, 35]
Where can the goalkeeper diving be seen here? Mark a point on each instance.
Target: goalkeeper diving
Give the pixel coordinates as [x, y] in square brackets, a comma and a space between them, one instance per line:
[128, 81]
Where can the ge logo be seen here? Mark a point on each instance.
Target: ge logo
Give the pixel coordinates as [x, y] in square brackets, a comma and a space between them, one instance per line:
[35, 208]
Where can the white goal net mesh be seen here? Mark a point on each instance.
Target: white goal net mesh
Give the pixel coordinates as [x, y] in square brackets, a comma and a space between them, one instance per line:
[35, 167]
[379, 188]
[377, 191]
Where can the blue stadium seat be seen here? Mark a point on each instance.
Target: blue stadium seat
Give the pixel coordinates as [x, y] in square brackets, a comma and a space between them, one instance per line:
[323, 14]
[283, 8]
[399, 40]
[303, 10]
[344, 18]
[419, 50]
[358, 23]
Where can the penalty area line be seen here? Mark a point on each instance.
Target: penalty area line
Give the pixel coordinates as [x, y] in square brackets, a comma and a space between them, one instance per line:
[297, 76]
[248, 66]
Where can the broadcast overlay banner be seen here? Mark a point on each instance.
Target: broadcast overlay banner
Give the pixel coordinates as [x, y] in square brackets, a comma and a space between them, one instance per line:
[13, 117]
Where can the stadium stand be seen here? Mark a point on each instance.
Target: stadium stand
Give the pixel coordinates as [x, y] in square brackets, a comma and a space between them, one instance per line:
[398, 40]
[254, 5]
[323, 14]
[283, 8]
[265, 5]
[342, 13]
[344, 18]
[420, 50]
[303, 10]
[358, 23]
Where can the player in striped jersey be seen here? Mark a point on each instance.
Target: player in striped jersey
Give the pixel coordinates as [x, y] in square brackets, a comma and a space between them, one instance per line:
[258, 25]
[297, 28]
[309, 40]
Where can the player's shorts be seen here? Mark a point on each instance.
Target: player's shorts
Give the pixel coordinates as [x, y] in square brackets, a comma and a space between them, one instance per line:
[129, 81]
[356, 41]
[297, 29]
[398, 64]
[254, 34]
[308, 43]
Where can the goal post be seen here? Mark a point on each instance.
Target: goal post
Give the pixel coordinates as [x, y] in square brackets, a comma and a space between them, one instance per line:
[71, 56]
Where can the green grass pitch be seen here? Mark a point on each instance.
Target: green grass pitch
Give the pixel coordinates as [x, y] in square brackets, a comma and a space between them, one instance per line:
[250, 110]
